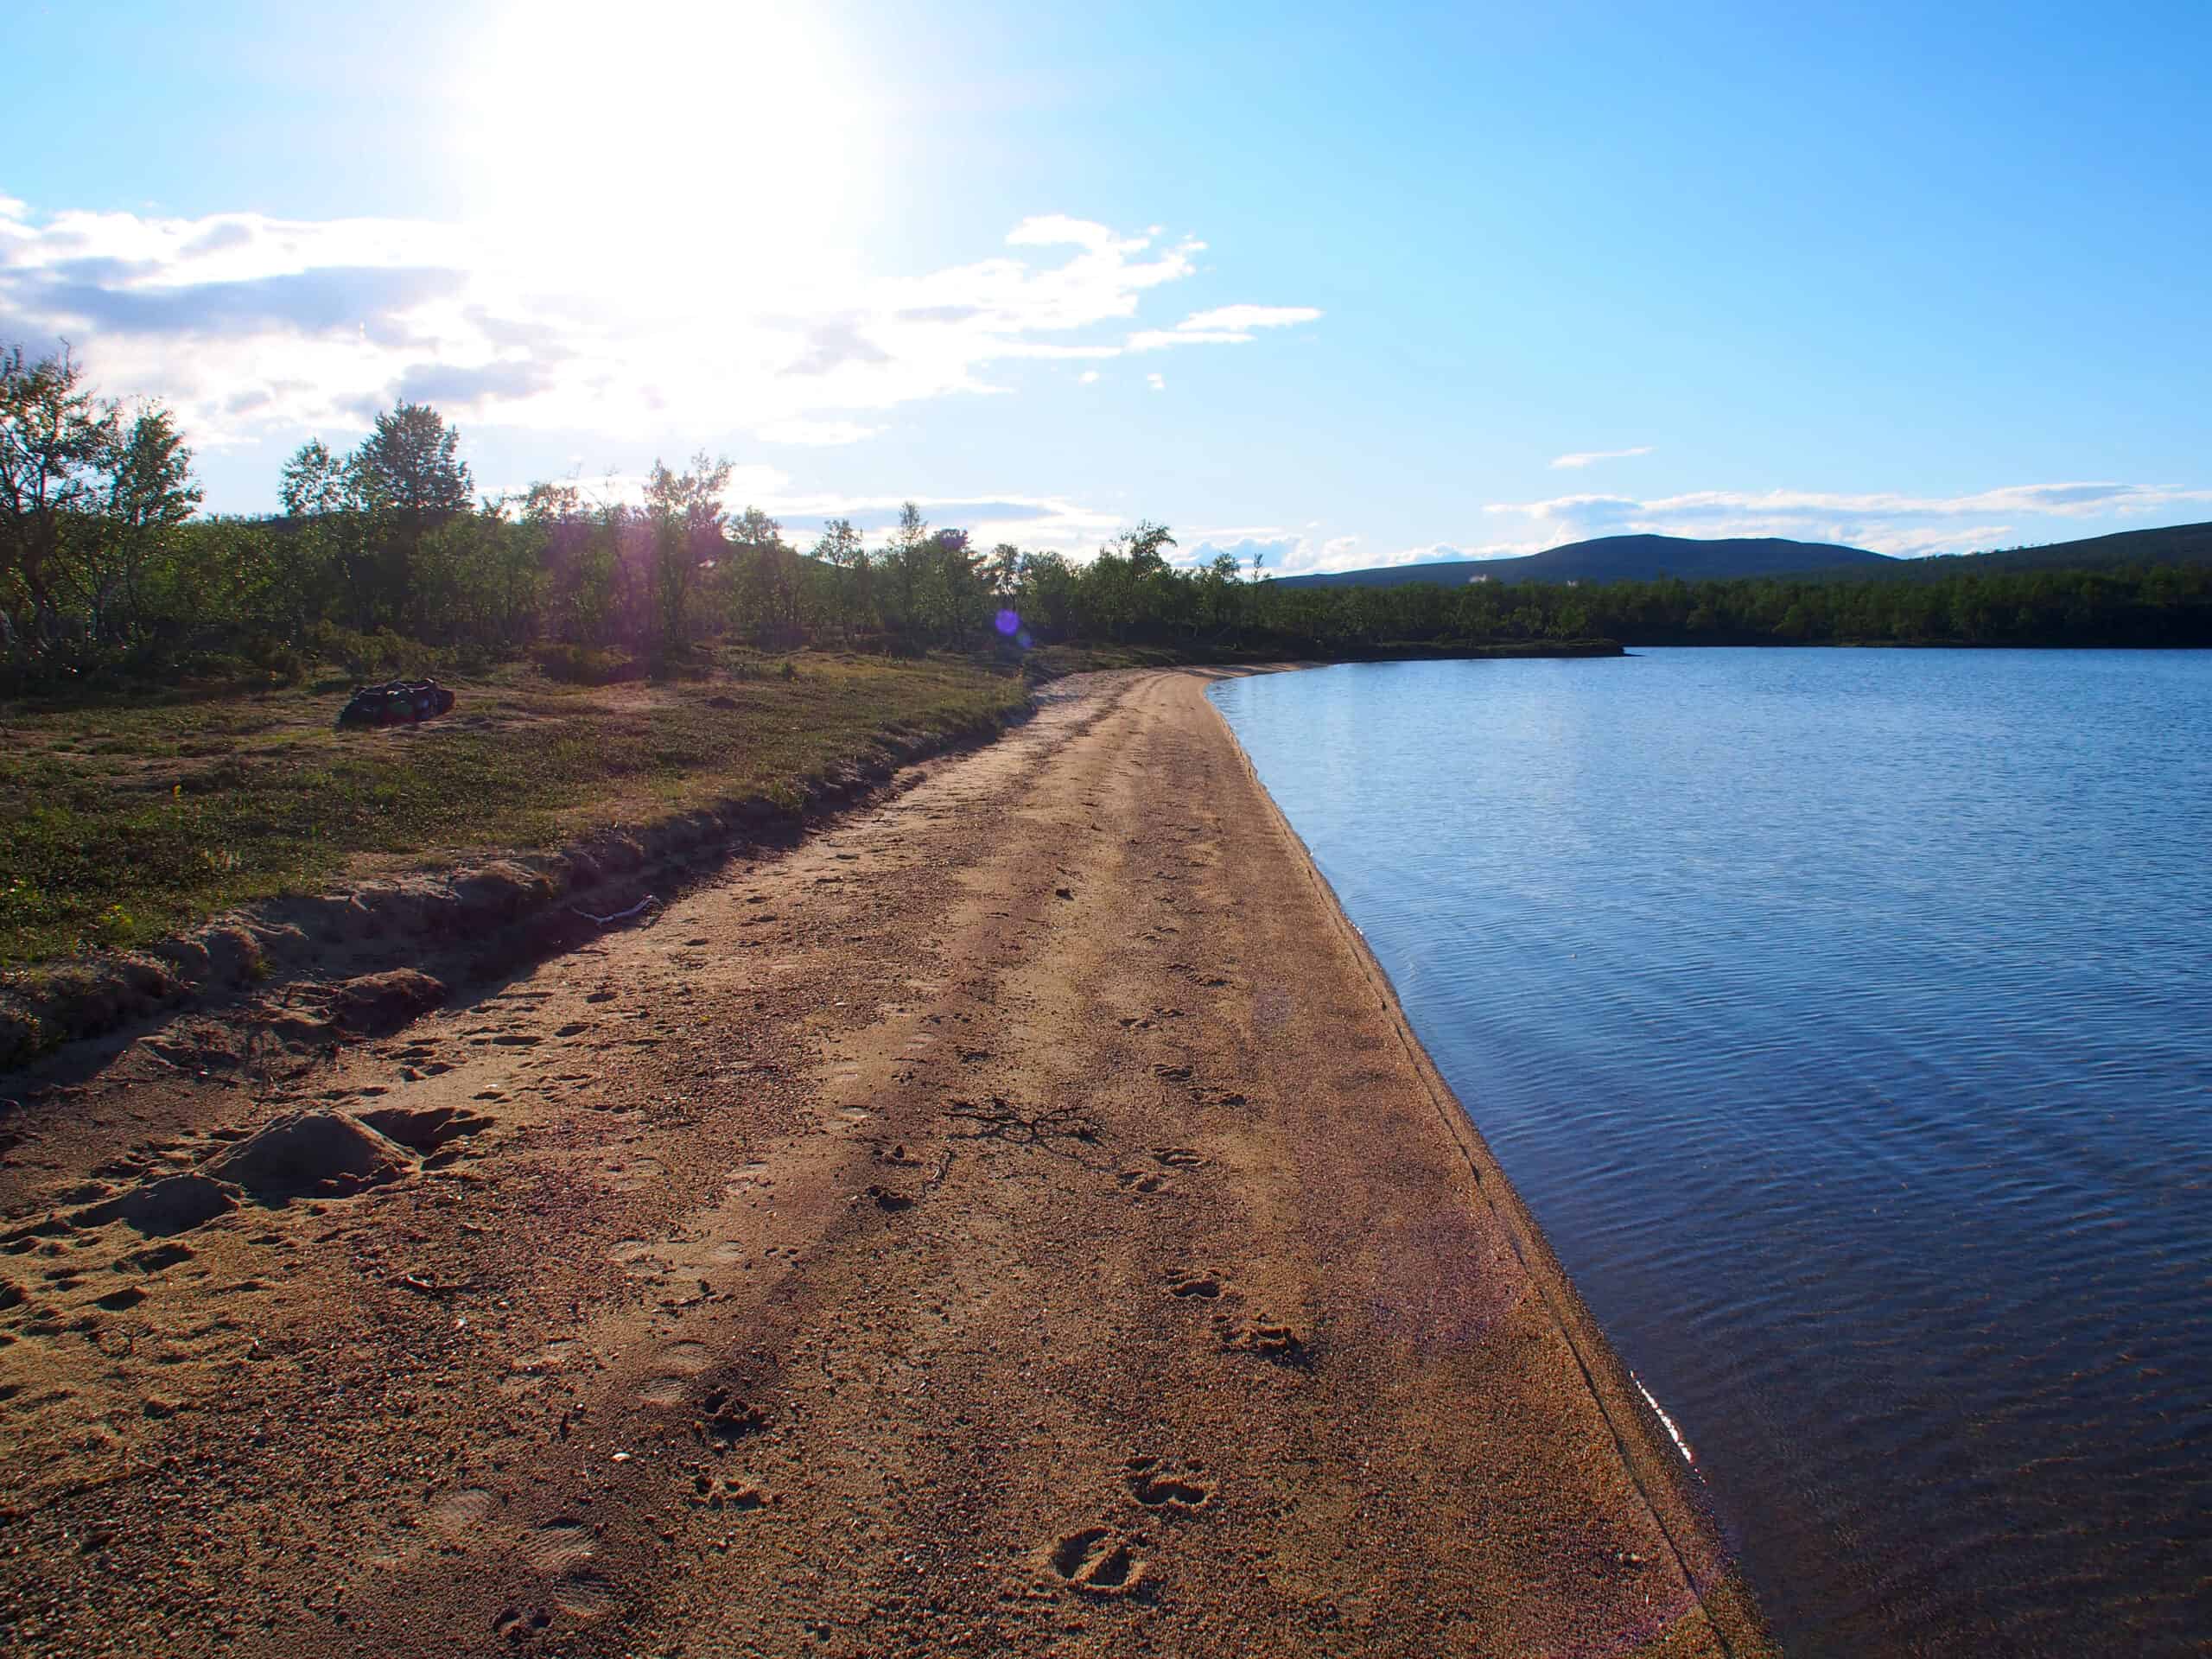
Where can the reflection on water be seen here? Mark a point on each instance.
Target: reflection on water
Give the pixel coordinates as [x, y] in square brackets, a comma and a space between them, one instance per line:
[1844, 1018]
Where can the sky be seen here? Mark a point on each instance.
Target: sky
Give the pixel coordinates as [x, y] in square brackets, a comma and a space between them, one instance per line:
[1338, 286]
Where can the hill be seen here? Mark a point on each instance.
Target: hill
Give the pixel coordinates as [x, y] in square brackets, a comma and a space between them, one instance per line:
[1620, 558]
[1645, 558]
[2172, 544]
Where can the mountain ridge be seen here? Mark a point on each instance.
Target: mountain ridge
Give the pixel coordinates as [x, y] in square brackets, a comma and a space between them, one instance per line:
[1652, 557]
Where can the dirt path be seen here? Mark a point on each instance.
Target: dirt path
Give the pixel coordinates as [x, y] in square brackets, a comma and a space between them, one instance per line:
[1012, 1223]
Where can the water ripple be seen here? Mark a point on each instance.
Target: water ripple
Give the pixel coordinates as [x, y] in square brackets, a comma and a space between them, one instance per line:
[1841, 1016]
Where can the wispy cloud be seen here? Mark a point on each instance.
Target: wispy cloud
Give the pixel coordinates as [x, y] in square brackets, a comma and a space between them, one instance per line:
[250, 324]
[798, 429]
[1034, 523]
[1587, 457]
[1225, 325]
[1901, 525]
[1886, 521]
[1300, 552]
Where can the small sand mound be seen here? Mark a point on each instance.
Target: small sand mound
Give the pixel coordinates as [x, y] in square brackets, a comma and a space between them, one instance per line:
[377, 1003]
[425, 1128]
[500, 892]
[312, 1155]
[174, 1204]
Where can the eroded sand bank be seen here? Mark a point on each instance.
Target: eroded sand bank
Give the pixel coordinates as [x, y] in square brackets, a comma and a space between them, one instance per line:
[1016, 1221]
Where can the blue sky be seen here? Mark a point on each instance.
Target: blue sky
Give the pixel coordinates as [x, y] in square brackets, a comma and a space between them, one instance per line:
[1349, 285]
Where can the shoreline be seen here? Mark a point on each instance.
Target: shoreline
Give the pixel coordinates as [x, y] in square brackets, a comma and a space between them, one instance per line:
[1649, 1445]
[1016, 1218]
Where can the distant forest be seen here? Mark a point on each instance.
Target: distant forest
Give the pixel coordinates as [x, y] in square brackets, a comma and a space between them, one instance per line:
[385, 560]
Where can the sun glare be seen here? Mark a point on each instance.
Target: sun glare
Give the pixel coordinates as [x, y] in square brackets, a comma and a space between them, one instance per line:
[668, 149]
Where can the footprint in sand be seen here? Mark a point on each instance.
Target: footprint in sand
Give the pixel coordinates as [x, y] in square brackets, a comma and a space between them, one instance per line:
[156, 1257]
[1179, 1157]
[682, 1360]
[1199, 976]
[639, 1260]
[1163, 1484]
[1096, 1560]
[518, 1625]
[558, 1547]
[727, 1420]
[584, 1598]
[1143, 1181]
[635, 1175]
[1206, 1287]
[710, 1491]
[459, 1513]
[1265, 1337]
[690, 1357]
[1150, 1021]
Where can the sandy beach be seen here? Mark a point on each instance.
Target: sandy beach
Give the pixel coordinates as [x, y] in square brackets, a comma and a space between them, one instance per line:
[1015, 1220]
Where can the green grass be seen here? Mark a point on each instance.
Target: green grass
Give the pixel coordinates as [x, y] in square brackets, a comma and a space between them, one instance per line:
[1051, 661]
[122, 821]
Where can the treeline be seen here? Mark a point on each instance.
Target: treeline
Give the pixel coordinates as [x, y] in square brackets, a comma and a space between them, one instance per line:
[385, 557]
[2156, 605]
[386, 552]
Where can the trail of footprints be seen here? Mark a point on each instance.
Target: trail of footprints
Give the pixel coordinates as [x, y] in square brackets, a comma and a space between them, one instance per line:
[1103, 1561]
[1095, 1560]
[561, 1550]
[1237, 1332]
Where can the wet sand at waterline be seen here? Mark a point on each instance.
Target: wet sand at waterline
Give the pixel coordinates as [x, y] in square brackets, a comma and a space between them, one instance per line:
[1016, 1220]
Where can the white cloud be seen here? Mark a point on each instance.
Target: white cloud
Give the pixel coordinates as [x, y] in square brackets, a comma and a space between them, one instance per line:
[1585, 457]
[1050, 230]
[1293, 553]
[1088, 377]
[1286, 552]
[1250, 316]
[1225, 325]
[1034, 523]
[1901, 525]
[1278, 548]
[798, 429]
[1157, 382]
[249, 325]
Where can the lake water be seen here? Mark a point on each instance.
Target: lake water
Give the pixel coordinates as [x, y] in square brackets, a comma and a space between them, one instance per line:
[1844, 1017]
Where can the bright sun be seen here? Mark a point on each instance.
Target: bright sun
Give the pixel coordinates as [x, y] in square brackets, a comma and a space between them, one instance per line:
[666, 146]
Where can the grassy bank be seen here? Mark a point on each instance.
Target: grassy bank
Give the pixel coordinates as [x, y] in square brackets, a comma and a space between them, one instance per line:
[124, 820]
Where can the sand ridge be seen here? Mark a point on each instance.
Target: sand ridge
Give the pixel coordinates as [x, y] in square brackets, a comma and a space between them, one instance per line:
[1015, 1220]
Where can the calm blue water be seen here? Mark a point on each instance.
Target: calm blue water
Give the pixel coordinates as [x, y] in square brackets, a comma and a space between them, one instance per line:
[1845, 1018]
